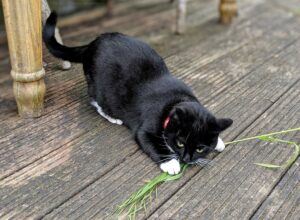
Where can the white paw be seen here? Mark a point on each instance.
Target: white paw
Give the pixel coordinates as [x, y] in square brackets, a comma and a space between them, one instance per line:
[118, 122]
[66, 65]
[95, 104]
[220, 145]
[171, 167]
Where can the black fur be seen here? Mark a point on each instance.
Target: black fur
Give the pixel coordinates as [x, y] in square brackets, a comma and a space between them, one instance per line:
[131, 82]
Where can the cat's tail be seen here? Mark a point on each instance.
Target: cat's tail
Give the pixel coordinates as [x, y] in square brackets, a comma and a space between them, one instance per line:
[72, 54]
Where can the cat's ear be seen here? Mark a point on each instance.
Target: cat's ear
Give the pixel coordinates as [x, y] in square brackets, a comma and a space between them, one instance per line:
[177, 114]
[223, 123]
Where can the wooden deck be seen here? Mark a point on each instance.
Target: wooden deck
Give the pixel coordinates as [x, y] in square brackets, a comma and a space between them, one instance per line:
[71, 163]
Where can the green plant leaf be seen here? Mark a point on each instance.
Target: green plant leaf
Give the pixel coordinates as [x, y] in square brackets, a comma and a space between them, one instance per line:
[295, 155]
[267, 138]
[270, 166]
[290, 161]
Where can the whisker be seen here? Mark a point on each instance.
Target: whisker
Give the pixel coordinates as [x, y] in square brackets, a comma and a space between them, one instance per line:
[157, 136]
[202, 162]
[165, 159]
[168, 155]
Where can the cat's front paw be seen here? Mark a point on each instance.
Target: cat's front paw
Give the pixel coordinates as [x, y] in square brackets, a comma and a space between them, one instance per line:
[171, 167]
[220, 145]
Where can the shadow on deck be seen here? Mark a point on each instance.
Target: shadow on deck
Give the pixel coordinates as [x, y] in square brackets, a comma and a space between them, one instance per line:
[71, 163]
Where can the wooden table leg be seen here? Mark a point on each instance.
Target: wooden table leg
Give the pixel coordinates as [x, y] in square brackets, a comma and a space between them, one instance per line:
[228, 10]
[109, 8]
[24, 33]
[180, 16]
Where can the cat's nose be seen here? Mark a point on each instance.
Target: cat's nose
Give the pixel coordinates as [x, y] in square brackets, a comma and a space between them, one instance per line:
[186, 158]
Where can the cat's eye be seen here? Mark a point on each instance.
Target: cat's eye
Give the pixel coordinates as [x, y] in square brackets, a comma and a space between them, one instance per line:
[179, 144]
[200, 150]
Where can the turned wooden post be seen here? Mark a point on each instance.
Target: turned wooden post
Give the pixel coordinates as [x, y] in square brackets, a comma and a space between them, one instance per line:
[24, 33]
[227, 10]
[109, 8]
[180, 16]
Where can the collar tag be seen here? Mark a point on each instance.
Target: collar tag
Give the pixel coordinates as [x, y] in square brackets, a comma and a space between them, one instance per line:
[166, 122]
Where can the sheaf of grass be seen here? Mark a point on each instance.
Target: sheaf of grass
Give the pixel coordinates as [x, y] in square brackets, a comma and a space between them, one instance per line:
[141, 198]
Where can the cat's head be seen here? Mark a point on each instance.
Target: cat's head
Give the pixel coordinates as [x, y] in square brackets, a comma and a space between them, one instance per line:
[192, 131]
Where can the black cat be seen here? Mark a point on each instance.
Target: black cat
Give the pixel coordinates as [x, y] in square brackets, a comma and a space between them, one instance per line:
[133, 85]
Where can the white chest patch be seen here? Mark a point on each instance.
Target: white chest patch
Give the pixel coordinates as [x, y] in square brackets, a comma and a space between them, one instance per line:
[100, 111]
[171, 167]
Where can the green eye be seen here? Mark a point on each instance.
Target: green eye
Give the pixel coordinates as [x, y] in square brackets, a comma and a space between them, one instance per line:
[200, 151]
[179, 144]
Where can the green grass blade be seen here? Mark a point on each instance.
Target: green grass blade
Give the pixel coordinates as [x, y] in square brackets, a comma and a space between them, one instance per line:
[294, 156]
[269, 134]
[266, 165]
[289, 162]
[138, 200]
[267, 138]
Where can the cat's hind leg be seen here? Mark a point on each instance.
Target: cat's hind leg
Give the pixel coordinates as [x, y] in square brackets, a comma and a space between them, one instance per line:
[100, 111]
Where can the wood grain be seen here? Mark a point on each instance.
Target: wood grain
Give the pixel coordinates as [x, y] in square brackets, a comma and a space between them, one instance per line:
[284, 201]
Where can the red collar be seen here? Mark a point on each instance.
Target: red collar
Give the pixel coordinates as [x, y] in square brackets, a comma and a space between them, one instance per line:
[166, 122]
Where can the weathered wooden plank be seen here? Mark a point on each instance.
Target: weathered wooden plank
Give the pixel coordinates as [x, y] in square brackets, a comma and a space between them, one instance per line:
[291, 6]
[25, 148]
[67, 170]
[143, 16]
[235, 189]
[98, 13]
[284, 201]
[201, 16]
[245, 97]
[65, 173]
